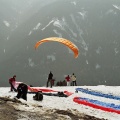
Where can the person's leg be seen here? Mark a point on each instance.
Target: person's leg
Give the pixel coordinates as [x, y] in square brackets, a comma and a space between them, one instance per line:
[19, 94]
[12, 88]
[25, 90]
[51, 83]
[72, 83]
[24, 96]
[75, 83]
[47, 82]
[67, 83]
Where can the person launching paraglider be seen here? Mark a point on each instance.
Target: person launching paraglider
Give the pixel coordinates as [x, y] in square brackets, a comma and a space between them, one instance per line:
[50, 77]
[22, 90]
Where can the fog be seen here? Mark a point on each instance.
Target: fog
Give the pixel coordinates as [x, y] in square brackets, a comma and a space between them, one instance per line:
[94, 26]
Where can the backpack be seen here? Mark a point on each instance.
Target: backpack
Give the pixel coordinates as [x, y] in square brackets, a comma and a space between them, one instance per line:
[38, 96]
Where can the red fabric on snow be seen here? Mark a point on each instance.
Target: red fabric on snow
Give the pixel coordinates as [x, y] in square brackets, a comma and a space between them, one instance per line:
[84, 102]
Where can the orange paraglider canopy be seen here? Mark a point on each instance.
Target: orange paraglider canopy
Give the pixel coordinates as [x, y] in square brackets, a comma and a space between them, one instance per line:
[66, 42]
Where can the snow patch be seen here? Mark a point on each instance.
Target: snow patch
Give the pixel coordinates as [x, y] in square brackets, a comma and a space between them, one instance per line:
[4, 50]
[37, 26]
[62, 103]
[51, 57]
[97, 66]
[48, 25]
[116, 6]
[83, 14]
[30, 62]
[30, 33]
[116, 51]
[6, 23]
[74, 3]
[98, 50]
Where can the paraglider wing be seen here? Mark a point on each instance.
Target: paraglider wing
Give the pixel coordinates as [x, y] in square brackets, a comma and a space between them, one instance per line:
[66, 42]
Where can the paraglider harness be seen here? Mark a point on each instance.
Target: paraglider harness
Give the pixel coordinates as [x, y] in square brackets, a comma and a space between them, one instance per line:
[38, 96]
[58, 94]
[61, 94]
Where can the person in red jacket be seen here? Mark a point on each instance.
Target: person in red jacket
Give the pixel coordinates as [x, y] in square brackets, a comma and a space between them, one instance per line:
[68, 80]
[12, 82]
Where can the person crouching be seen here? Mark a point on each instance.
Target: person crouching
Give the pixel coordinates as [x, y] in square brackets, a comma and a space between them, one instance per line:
[22, 90]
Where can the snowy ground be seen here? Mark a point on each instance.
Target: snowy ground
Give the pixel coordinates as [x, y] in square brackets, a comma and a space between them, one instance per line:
[64, 103]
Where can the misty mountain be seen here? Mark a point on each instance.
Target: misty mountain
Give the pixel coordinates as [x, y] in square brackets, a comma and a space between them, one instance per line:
[93, 26]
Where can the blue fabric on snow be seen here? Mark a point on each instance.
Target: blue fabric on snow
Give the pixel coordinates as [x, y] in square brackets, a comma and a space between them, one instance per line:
[107, 105]
[98, 93]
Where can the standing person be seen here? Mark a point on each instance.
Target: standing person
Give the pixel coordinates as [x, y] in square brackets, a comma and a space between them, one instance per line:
[50, 77]
[12, 83]
[73, 78]
[68, 80]
[22, 91]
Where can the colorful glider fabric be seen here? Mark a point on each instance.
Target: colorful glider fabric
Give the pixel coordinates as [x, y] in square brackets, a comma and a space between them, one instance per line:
[36, 89]
[66, 42]
[44, 90]
[87, 91]
[109, 107]
[47, 90]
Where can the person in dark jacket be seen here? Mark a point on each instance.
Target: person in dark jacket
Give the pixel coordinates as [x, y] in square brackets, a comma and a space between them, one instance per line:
[12, 82]
[50, 77]
[22, 91]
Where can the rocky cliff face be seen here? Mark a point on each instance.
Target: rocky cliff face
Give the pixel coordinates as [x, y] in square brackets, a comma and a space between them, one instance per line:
[92, 25]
